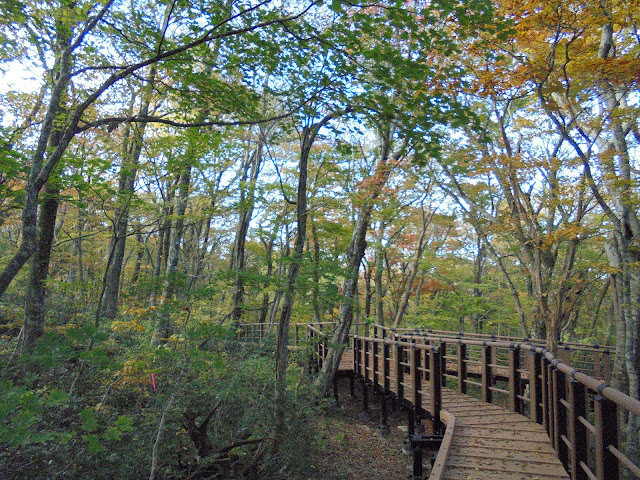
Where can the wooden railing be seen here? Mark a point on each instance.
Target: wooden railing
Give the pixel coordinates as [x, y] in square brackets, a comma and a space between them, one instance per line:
[594, 360]
[255, 332]
[317, 338]
[582, 415]
[388, 364]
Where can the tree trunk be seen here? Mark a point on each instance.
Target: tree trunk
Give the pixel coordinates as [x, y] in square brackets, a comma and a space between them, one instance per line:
[250, 171]
[34, 310]
[368, 292]
[355, 253]
[138, 264]
[268, 251]
[78, 241]
[315, 299]
[164, 328]
[289, 289]
[309, 134]
[164, 240]
[42, 162]
[132, 149]
[377, 279]
[413, 269]
[478, 271]
[200, 263]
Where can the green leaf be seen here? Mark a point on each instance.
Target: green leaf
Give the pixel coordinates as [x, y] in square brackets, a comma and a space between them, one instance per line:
[93, 443]
[112, 434]
[89, 420]
[124, 423]
[56, 397]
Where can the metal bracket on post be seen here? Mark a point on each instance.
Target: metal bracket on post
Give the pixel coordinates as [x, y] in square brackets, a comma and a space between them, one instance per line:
[423, 443]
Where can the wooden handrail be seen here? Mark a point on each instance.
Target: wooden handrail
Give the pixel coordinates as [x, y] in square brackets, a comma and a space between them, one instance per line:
[441, 459]
[488, 336]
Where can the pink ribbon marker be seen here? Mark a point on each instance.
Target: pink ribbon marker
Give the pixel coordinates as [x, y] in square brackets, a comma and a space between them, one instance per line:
[153, 381]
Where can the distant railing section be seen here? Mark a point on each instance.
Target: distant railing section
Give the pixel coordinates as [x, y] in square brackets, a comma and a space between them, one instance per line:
[255, 332]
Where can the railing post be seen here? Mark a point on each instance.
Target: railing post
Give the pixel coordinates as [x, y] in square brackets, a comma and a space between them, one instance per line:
[397, 355]
[416, 379]
[515, 384]
[560, 416]
[365, 365]
[578, 432]
[310, 343]
[443, 355]
[547, 398]
[545, 404]
[427, 354]
[385, 384]
[385, 367]
[297, 330]
[462, 367]
[487, 377]
[356, 355]
[606, 361]
[354, 344]
[417, 463]
[375, 364]
[535, 387]
[435, 367]
[316, 352]
[606, 423]
[364, 357]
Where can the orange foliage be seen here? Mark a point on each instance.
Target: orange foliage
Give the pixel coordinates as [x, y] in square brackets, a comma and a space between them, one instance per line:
[432, 287]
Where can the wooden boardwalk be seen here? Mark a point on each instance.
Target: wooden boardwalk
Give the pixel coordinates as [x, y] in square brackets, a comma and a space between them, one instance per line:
[485, 441]
[490, 442]
[559, 419]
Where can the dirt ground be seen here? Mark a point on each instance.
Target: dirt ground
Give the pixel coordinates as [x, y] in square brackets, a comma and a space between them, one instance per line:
[354, 446]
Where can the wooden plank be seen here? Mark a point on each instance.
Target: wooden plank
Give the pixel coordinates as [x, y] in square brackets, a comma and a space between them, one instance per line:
[476, 410]
[500, 421]
[514, 453]
[474, 433]
[505, 465]
[461, 473]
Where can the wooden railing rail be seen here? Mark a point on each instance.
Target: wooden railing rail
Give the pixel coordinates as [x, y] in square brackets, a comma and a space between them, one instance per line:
[595, 360]
[254, 332]
[488, 336]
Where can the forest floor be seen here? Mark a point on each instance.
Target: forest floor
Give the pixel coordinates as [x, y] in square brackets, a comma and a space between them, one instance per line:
[353, 446]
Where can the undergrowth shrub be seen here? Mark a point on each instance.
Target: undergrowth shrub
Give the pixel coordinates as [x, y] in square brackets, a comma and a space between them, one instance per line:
[88, 404]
